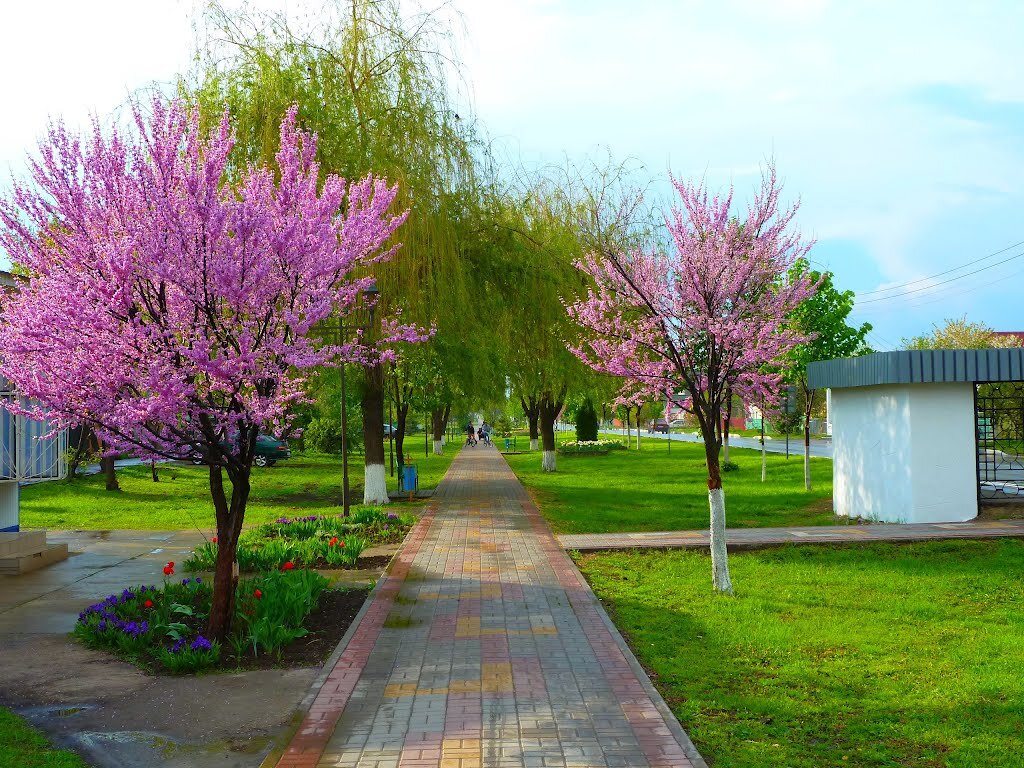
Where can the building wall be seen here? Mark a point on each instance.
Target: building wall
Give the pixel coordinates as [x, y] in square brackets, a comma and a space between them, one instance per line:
[944, 452]
[9, 497]
[905, 453]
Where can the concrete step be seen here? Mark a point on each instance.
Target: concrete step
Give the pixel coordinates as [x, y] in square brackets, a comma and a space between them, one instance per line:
[49, 554]
[21, 543]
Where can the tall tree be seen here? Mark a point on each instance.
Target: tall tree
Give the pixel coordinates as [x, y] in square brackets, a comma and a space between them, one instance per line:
[961, 333]
[706, 317]
[539, 272]
[823, 319]
[169, 309]
[375, 85]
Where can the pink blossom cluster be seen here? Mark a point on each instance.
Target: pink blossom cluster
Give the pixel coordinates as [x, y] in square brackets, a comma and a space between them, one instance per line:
[706, 317]
[172, 295]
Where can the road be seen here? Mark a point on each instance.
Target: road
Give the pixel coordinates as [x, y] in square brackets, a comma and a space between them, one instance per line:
[822, 448]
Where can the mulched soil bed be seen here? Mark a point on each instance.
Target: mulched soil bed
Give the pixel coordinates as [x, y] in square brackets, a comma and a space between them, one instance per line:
[326, 625]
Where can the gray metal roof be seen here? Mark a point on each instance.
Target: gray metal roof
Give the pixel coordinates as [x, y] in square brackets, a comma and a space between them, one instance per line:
[924, 366]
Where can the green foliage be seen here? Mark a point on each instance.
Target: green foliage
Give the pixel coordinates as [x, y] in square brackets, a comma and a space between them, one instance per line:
[825, 317]
[655, 490]
[164, 625]
[23, 746]
[730, 466]
[960, 333]
[188, 660]
[273, 606]
[323, 435]
[586, 422]
[309, 542]
[862, 655]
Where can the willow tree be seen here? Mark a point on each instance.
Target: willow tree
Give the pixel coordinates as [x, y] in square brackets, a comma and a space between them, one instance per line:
[540, 248]
[374, 85]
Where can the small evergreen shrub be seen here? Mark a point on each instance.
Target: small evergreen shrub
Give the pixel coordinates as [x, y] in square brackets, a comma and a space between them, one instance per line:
[586, 422]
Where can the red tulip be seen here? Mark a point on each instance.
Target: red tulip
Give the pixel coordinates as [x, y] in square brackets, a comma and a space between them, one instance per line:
[257, 594]
[342, 545]
[288, 566]
[214, 539]
[148, 604]
[169, 569]
[334, 542]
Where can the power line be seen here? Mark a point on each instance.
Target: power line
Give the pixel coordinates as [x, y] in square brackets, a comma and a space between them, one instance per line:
[941, 274]
[943, 282]
[946, 295]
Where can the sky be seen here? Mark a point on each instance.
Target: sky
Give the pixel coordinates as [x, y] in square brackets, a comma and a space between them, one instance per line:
[898, 126]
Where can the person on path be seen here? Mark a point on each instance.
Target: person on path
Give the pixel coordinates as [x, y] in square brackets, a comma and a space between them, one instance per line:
[485, 428]
[470, 434]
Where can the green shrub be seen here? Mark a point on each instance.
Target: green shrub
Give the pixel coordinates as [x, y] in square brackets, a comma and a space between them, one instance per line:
[164, 625]
[309, 542]
[586, 422]
[322, 436]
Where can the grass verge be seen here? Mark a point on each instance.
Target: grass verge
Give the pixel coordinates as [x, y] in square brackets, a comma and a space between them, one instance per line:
[868, 655]
[23, 746]
[304, 484]
[658, 489]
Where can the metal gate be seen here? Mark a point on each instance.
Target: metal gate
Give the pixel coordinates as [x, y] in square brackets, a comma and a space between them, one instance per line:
[999, 425]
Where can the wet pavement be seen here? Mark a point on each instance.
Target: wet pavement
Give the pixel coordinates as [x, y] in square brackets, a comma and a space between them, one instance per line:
[111, 712]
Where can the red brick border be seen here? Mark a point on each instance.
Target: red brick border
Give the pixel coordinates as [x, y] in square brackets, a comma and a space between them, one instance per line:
[310, 741]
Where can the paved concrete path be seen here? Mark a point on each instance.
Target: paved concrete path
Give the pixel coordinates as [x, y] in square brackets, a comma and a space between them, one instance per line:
[754, 538]
[819, 447]
[485, 648]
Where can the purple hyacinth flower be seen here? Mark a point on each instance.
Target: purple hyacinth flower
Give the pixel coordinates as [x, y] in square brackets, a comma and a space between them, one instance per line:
[186, 582]
[176, 648]
[201, 644]
[102, 626]
[198, 580]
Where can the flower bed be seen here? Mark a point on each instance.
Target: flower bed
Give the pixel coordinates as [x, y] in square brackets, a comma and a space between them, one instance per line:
[326, 541]
[589, 447]
[162, 627]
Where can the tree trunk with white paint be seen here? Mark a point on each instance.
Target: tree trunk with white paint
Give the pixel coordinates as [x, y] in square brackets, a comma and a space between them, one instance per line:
[437, 423]
[716, 502]
[808, 407]
[532, 411]
[375, 489]
[719, 552]
[807, 467]
[549, 407]
[375, 485]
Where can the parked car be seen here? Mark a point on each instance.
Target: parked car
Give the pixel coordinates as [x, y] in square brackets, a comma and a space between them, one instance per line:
[389, 431]
[658, 425]
[269, 451]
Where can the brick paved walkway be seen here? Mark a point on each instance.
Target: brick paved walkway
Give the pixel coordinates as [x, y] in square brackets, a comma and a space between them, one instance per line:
[485, 648]
[754, 538]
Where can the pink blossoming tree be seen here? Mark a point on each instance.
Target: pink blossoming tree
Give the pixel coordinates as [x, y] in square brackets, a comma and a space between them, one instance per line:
[172, 294]
[709, 317]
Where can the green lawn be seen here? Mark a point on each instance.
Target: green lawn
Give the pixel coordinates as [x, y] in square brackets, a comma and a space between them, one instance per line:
[24, 747]
[877, 655]
[654, 489]
[306, 483]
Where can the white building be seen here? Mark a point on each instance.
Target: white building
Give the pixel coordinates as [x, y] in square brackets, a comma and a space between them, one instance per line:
[906, 440]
